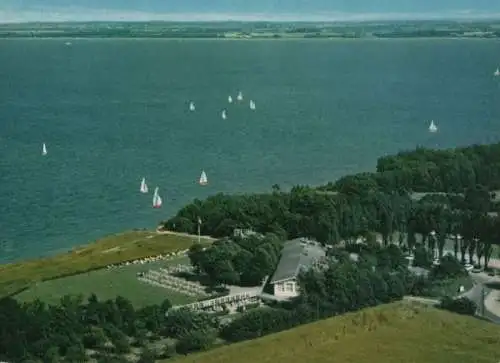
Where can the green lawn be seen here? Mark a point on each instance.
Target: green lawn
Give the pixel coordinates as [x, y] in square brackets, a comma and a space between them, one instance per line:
[108, 284]
[109, 250]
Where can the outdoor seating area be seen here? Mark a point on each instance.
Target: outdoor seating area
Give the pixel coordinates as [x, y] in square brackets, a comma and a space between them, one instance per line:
[230, 302]
[146, 260]
[164, 277]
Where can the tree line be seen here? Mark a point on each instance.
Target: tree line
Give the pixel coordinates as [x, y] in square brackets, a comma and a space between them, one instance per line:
[75, 329]
[383, 202]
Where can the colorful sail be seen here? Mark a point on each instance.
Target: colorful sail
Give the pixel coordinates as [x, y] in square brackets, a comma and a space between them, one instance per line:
[157, 202]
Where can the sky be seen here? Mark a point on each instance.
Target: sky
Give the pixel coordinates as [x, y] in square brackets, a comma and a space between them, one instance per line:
[198, 10]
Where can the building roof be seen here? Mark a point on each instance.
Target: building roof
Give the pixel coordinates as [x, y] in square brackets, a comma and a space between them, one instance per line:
[296, 254]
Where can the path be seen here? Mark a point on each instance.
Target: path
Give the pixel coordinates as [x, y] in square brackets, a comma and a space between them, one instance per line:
[491, 300]
[207, 238]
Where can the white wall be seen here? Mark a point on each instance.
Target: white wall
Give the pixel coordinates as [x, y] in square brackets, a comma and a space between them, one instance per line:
[286, 288]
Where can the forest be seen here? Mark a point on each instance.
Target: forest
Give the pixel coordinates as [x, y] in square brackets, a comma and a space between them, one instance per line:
[113, 331]
[457, 198]
[458, 203]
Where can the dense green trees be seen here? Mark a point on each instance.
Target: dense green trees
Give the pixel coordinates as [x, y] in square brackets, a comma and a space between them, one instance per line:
[383, 202]
[427, 170]
[39, 332]
[238, 261]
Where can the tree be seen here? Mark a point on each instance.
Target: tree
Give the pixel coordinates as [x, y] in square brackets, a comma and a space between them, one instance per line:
[460, 305]
[422, 257]
[76, 354]
[147, 356]
[195, 341]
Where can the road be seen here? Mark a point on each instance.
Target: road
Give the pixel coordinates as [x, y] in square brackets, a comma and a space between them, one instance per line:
[476, 294]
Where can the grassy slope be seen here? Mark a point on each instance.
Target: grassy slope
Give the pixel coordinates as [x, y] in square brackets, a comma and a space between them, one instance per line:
[113, 249]
[395, 333]
[108, 284]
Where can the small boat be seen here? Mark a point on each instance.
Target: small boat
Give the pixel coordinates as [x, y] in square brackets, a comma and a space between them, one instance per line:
[224, 114]
[252, 105]
[432, 127]
[44, 149]
[230, 99]
[192, 106]
[144, 186]
[240, 96]
[497, 72]
[68, 44]
[203, 178]
[157, 202]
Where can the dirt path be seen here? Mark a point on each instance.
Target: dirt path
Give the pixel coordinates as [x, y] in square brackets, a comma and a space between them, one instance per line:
[207, 238]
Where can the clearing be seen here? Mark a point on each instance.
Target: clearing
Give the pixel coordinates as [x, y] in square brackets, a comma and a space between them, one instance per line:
[108, 284]
[394, 333]
[114, 249]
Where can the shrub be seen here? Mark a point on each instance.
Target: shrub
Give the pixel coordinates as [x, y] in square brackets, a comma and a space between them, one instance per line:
[461, 305]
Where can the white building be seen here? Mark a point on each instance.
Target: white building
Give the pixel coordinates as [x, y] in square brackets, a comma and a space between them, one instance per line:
[297, 254]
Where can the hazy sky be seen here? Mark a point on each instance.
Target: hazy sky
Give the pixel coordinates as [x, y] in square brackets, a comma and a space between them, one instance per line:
[64, 10]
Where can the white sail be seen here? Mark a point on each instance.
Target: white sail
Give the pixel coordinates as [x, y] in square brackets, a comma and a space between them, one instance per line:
[230, 99]
[224, 115]
[44, 149]
[497, 72]
[240, 96]
[203, 178]
[252, 105]
[157, 202]
[192, 106]
[144, 186]
[432, 127]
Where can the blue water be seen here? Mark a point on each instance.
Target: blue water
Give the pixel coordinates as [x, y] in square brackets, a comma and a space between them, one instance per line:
[113, 111]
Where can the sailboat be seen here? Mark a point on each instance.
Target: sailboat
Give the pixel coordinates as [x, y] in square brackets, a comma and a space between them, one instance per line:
[229, 99]
[144, 186]
[191, 106]
[252, 105]
[203, 178]
[497, 72]
[157, 202]
[44, 149]
[240, 96]
[224, 115]
[433, 127]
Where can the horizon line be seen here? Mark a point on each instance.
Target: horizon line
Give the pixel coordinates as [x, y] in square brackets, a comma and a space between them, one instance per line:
[79, 15]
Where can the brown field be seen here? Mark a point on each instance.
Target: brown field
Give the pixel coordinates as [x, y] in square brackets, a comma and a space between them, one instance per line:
[109, 250]
[394, 333]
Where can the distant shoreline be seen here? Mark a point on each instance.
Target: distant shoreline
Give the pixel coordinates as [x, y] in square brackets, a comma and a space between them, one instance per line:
[249, 39]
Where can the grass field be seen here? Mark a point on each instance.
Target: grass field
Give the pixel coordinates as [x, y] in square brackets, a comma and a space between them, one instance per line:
[394, 333]
[108, 284]
[109, 250]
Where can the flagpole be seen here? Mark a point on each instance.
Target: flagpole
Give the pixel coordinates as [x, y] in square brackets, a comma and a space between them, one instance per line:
[199, 230]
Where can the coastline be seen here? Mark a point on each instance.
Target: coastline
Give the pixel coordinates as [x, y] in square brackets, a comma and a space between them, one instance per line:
[16, 277]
